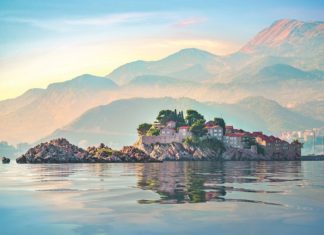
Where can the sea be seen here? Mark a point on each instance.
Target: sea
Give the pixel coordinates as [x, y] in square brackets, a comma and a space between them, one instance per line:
[201, 198]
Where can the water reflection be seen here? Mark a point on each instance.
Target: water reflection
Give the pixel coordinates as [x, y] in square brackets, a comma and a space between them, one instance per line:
[145, 198]
[187, 182]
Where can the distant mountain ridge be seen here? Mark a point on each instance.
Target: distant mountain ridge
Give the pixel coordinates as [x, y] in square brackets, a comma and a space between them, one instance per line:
[280, 73]
[177, 65]
[285, 35]
[296, 43]
[44, 110]
[116, 123]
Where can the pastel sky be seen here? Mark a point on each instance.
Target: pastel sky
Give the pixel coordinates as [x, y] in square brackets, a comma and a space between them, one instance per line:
[49, 41]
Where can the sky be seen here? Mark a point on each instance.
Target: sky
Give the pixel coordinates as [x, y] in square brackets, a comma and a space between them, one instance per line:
[42, 42]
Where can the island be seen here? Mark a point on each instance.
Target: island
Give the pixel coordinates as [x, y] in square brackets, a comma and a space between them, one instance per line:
[174, 137]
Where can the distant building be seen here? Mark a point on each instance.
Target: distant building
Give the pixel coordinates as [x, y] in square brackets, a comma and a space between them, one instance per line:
[168, 134]
[229, 129]
[215, 131]
[184, 131]
[234, 140]
[166, 131]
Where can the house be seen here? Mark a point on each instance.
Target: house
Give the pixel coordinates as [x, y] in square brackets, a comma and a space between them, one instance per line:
[184, 131]
[215, 131]
[234, 140]
[166, 131]
[248, 140]
[229, 129]
[276, 147]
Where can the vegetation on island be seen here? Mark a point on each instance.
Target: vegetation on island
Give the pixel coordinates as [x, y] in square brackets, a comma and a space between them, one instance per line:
[193, 119]
[153, 131]
[143, 128]
[167, 115]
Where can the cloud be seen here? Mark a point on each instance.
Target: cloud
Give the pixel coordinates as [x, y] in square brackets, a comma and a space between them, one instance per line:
[64, 24]
[189, 21]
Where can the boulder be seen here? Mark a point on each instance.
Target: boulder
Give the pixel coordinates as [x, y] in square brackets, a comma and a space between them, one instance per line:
[55, 151]
[5, 160]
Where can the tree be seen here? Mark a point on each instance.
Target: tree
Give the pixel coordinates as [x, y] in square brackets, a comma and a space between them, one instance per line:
[143, 128]
[220, 122]
[193, 116]
[166, 115]
[153, 131]
[198, 128]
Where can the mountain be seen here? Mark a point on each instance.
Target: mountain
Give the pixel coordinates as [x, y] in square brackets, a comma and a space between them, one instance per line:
[296, 43]
[311, 109]
[188, 64]
[280, 73]
[287, 37]
[85, 81]
[11, 105]
[276, 117]
[39, 112]
[156, 80]
[116, 123]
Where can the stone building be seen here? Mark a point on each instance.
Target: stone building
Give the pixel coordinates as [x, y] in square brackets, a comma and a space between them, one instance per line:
[215, 131]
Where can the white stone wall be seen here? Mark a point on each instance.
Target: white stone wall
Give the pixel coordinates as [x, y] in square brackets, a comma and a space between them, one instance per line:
[162, 139]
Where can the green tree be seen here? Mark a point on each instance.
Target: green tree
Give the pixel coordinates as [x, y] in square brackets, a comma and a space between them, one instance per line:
[143, 128]
[193, 116]
[166, 115]
[153, 131]
[220, 122]
[198, 128]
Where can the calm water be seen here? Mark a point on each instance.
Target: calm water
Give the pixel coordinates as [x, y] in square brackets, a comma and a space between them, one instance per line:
[163, 198]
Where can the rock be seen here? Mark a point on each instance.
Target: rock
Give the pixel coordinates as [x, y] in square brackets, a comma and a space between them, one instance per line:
[5, 160]
[133, 154]
[61, 151]
[210, 152]
[55, 151]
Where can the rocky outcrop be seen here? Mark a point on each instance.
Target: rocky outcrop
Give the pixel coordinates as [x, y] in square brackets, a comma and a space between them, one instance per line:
[180, 152]
[133, 154]
[56, 151]
[185, 152]
[5, 160]
[128, 154]
[61, 151]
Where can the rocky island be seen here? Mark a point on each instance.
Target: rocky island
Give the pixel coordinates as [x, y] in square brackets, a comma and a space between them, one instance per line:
[173, 137]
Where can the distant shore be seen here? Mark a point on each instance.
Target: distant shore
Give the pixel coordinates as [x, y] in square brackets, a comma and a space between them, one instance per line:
[312, 158]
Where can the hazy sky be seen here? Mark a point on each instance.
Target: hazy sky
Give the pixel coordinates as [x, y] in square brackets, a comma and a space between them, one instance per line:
[46, 41]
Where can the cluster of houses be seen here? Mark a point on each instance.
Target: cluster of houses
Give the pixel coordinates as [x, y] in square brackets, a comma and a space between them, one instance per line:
[231, 137]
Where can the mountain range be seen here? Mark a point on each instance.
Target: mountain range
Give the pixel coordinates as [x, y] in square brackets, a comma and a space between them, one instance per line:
[116, 123]
[274, 83]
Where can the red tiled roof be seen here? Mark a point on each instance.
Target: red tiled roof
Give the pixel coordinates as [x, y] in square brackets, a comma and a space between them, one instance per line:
[209, 123]
[235, 134]
[269, 139]
[229, 127]
[210, 127]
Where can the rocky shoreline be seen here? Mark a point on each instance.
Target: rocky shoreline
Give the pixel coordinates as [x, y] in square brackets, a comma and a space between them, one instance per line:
[61, 151]
[185, 152]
